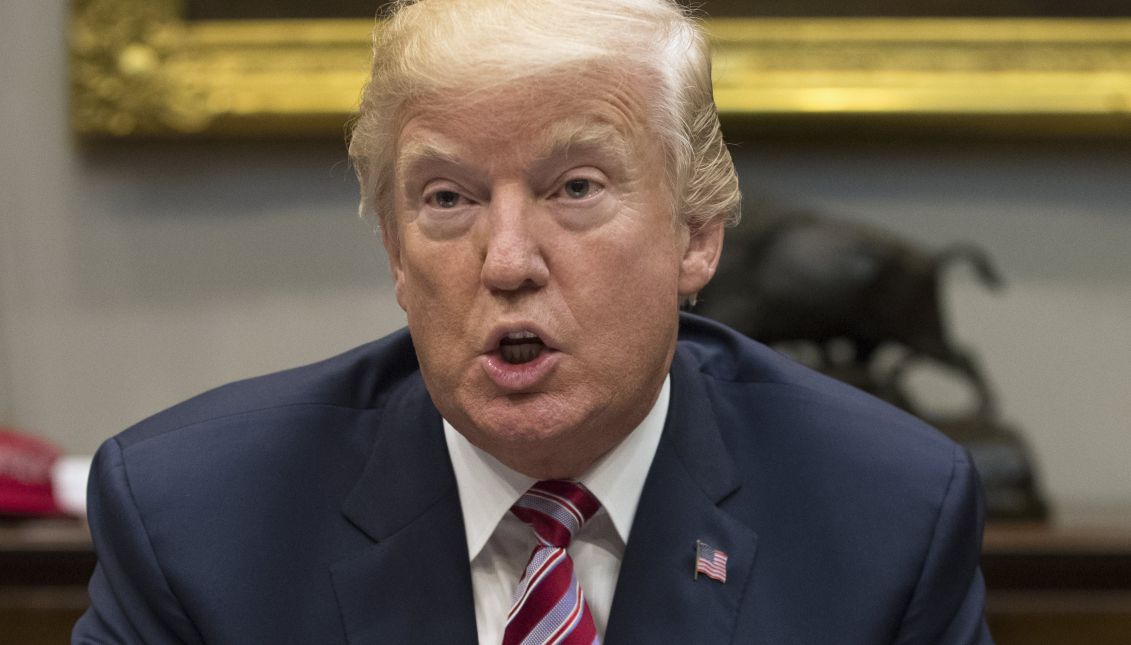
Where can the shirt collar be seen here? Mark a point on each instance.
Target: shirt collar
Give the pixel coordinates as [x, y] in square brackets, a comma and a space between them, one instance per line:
[488, 488]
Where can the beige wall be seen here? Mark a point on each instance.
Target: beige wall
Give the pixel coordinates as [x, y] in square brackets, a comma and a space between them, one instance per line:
[133, 276]
[1056, 218]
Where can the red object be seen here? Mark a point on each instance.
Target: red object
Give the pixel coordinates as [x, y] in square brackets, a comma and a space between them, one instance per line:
[25, 474]
[549, 605]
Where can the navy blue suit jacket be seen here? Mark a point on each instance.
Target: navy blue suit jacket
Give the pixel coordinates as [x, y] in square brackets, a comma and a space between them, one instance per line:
[318, 505]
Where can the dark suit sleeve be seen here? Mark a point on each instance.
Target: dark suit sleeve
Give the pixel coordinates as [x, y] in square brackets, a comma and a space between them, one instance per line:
[130, 599]
[948, 604]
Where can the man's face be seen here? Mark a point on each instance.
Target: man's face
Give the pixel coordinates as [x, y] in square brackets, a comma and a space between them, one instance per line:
[540, 269]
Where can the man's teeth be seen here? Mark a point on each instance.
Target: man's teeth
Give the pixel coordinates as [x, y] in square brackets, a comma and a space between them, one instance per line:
[520, 347]
[520, 353]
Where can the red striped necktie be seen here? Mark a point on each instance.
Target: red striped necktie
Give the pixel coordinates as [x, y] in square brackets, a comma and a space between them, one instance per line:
[548, 606]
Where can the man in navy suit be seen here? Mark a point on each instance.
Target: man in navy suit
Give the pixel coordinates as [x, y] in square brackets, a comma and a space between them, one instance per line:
[551, 183]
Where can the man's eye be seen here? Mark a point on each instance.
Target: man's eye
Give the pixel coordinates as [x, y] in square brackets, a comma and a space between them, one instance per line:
[444, 199]
[578, 188]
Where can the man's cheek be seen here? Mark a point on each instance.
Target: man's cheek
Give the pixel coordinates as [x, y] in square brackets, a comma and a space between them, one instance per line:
[432, 272]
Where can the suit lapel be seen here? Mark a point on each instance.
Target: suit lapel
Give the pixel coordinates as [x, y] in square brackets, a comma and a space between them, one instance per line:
[657, 598]
[414, 584]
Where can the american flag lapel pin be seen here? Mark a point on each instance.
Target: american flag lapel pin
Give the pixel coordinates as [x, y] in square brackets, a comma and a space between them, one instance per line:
[710, 561]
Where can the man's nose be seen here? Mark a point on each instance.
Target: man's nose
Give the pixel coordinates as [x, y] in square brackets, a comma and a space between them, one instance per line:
[513, 256]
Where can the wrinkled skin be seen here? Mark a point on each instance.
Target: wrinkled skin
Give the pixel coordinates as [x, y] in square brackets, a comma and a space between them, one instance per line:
[542, 209]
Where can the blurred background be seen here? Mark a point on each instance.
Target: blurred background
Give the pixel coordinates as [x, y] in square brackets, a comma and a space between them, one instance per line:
[135, 274]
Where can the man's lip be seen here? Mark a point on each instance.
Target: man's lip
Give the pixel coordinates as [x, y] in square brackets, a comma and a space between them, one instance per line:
[500, 331]
[519, 378]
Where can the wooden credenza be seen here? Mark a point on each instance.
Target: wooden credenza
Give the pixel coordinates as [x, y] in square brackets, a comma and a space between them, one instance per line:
[1060, 583]
[44, 568]
[1067, 582]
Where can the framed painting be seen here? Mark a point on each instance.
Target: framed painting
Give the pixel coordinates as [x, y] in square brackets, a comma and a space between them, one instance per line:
[222, 68]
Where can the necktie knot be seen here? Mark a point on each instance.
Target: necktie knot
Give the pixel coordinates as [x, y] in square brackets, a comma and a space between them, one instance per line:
[556, 509]
[548, 605]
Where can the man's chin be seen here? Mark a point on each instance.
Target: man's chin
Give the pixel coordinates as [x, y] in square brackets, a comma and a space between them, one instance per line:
[530, 437]
[524, 431]
[553, 458]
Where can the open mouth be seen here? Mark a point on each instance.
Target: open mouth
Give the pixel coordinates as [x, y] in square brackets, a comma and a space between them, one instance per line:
[520, 347]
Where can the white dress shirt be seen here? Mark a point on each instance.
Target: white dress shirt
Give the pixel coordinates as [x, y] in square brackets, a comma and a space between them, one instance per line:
[499, 544]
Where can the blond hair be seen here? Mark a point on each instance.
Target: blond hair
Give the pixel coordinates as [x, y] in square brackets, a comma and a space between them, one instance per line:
[427, 48]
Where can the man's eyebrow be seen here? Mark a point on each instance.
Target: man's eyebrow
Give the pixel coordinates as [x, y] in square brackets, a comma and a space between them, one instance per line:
[422, 151]
[560, 140]
[566, 137]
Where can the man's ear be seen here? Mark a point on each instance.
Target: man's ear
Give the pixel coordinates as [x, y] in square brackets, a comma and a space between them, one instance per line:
[701, 257]
[393, 250]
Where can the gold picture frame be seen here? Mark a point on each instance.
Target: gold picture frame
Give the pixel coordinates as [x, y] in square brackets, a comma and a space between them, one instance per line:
[138, 69]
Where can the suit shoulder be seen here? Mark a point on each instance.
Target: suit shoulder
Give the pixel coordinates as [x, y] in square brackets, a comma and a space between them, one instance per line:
[360, 379]
[724, 354]
[843, 491]
[762, 396]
